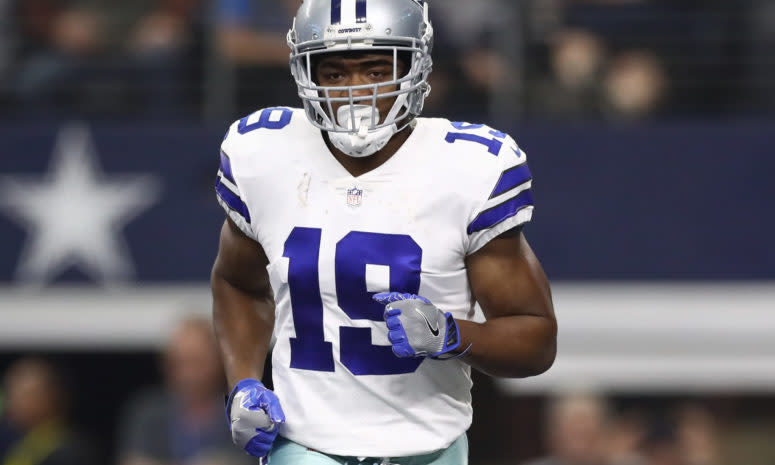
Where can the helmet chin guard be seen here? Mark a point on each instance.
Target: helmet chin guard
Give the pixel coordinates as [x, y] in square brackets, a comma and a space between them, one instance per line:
[364, 141]
[397, 27]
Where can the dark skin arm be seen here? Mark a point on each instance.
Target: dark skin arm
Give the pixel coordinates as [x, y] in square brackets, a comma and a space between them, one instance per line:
[519, 338]
[243, 304]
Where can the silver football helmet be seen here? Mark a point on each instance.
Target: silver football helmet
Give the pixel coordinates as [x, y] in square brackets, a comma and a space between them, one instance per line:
[399, 27]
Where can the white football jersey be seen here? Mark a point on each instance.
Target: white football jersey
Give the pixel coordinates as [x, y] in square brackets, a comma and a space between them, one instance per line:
[333, 240]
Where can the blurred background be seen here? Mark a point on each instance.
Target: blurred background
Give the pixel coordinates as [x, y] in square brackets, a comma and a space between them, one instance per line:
[650, 130]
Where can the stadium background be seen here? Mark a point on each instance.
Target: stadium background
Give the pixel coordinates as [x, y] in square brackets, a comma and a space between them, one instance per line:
[649, 130]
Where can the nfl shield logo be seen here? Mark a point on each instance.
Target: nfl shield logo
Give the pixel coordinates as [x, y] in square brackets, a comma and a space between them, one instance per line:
[354, 196]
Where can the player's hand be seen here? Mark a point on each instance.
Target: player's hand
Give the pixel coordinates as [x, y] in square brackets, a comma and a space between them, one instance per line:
[416, 328]
[253, 412]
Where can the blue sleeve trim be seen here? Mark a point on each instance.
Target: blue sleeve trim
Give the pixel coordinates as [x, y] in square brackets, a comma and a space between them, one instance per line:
[500, 212]
[511, 178]
[226, 167]
[232, 200]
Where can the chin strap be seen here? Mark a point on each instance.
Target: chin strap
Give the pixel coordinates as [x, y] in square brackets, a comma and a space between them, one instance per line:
[358, 147]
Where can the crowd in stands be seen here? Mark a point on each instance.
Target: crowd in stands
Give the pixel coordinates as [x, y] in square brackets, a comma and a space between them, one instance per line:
[86, 58]
[584, 430]
[34, 427]
[615, 60]
[181, 421]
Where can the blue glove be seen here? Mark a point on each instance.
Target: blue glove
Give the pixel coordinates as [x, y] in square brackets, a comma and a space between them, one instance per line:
[253, 412]
[416, 328]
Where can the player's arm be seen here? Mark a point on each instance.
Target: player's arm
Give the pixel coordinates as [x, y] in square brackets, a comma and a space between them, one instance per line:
[243, 304]
[243, 316]
[519, 338]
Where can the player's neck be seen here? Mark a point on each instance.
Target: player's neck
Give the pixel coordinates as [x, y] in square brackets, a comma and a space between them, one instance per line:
[359, 166]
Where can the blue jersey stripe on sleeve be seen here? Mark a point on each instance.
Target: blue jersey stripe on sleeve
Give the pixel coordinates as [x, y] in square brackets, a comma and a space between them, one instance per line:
[226, 167]
[500, 212]
[511, 178]
[232, 200]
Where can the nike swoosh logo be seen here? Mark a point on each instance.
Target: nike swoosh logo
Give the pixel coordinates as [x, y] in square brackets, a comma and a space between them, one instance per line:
[435, 331]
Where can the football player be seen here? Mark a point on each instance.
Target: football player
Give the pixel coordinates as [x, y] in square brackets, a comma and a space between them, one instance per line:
[360, 236]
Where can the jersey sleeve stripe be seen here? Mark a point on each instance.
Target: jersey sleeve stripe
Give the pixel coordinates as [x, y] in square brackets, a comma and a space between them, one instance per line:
[500, 212]
[226, 167]
[511, 178]
[232, 200]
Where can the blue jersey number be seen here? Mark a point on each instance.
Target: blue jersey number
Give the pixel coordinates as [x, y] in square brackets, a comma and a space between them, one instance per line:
[309, 349]
[493, 145]
[270, 118]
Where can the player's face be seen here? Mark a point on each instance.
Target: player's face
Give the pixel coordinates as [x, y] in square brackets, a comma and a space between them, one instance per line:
[359, 69]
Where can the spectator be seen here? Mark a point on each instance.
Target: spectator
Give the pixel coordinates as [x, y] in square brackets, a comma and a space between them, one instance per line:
[163, 48]
[475, 60]
[661, 446]
[575, 432]
[184, 422]
[251, 38]
[624, 438]
[634, 86]
[34, 429]
[61, 73]
[253, 33]
[697, 434]
[572, 91]
[85, 58]
[691, 38]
